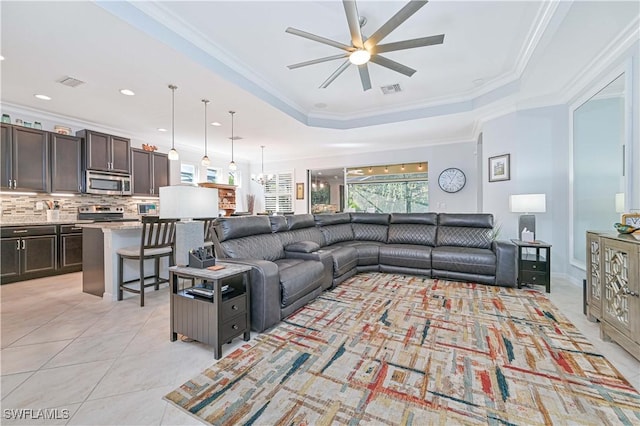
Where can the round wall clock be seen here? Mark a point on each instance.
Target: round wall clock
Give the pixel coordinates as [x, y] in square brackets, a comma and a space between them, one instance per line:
[452, 180]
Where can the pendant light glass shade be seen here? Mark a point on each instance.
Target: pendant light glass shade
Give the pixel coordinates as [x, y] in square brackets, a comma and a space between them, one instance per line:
[232, 164]
[205, 160]
[173, 154]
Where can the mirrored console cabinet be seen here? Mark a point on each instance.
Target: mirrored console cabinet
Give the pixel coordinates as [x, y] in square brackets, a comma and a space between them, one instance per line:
[613, 287]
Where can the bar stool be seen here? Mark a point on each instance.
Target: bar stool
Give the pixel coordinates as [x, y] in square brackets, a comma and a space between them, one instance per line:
[209, 225]
[157, 241]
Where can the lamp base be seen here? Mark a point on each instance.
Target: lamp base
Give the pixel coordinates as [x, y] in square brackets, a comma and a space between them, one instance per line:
[527, 221]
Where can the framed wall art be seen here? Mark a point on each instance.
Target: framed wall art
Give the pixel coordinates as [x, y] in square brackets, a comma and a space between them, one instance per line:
[499, 168]
[300, 191]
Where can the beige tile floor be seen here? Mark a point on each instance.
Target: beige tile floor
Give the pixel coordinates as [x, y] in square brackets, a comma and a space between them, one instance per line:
[110, 363]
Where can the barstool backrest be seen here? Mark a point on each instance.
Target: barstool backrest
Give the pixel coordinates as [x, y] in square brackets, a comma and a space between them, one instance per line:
[158, 233]
[208, 223]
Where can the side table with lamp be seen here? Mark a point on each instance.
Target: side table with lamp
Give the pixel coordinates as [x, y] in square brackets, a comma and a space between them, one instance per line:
[534, 256]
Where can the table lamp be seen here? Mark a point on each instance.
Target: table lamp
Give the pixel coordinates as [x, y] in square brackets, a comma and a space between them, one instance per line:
[186, 202]
[527, 204]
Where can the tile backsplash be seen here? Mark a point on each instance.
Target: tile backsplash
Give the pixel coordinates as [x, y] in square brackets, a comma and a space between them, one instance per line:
[22, 208]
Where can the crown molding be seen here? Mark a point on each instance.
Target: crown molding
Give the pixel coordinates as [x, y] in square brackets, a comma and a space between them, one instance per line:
[157, 20]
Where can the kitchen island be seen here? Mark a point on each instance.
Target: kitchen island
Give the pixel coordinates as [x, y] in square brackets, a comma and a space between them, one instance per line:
[101, 241]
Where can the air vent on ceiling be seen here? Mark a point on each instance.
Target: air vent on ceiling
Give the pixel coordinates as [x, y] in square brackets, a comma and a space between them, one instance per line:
[391, 88]
[236, 138]
[70, 81]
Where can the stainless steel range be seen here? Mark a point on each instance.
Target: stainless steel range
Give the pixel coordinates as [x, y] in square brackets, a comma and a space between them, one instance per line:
[99, 213]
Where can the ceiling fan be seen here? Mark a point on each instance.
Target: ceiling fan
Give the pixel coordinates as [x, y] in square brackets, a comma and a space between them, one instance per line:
[363, 49]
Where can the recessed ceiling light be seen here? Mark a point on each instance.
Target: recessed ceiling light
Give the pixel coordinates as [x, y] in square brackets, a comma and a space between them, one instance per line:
[127, 92]
[160, 129]
[215, 123]
[43, 97]
[1, 58]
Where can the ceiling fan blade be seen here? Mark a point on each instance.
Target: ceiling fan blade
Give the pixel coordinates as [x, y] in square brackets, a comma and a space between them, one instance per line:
[353, 19]
[409, 44]
[335, 74]
[364, 77]
[393, 65]
[403, 14]
[319, 39]
[317, 61]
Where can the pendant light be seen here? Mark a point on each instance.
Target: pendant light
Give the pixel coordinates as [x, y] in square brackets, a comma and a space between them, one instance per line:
[262, 179]
[232, 164]
[205, 160]
[173, 154]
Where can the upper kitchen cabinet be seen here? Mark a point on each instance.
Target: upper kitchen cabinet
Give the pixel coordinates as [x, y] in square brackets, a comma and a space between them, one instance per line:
[66, 163]
[105, 152]
[150, 171]
[25, 159]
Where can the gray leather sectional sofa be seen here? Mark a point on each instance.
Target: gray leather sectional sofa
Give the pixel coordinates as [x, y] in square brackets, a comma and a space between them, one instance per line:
[295, 258]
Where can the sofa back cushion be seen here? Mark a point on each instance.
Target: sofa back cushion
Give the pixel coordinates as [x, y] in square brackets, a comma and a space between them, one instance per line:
[304, 234]
[465, 230]
[370, 226]
[337, 233]
[278, 223]
[299, 221]
[415, 218]
[374, 218]
[413, 228]
[237, 227]
[332, 219]
[264, 246]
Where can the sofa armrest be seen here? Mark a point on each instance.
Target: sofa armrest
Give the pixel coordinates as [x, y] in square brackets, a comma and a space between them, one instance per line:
[506, 263]
[302, 247]
[323, 256]
[265, 292]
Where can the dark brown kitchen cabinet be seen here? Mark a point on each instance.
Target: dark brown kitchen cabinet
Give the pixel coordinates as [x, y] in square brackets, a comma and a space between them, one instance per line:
[70, 250]
[105, 152]
[25, 159]
[66, 163]
[150, 172]
[28, 252]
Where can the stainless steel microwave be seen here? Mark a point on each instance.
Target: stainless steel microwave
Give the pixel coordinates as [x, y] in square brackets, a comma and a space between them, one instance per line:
[107, 183]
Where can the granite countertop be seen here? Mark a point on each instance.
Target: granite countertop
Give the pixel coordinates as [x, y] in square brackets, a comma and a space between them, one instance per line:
[112, 226]
[64, 220]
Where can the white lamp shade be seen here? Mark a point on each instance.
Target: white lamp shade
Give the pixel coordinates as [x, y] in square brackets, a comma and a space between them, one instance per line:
[620, 202]
[528, 203]
[188, 202]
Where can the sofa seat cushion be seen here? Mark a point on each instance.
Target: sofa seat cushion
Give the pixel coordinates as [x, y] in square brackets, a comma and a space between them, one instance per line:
[368, 251]
[298, 278]
[345, 258]
[408, 255]
[464, 259]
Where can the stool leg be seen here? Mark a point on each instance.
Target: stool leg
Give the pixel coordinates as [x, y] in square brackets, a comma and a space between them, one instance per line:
[120, 277]
[142, 281]
[157, 273]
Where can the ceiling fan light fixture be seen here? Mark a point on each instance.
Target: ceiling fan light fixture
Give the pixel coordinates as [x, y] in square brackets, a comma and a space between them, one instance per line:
[359, 57]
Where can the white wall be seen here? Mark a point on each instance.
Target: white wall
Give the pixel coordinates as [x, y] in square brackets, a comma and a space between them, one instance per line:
[461, 155]
[536, 139]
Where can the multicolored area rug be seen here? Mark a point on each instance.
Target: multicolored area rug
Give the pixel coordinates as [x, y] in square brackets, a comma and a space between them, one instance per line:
[393, 349]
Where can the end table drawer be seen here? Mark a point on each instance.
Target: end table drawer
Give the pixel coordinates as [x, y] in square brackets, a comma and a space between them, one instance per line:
[233, 307]
[233, 328]
[533, 277]
[530, 265]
